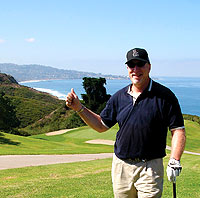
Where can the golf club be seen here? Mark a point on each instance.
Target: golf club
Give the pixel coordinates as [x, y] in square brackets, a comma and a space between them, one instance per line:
[174, 190]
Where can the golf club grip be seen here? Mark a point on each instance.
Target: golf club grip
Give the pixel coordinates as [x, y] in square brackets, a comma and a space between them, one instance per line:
[174, 190]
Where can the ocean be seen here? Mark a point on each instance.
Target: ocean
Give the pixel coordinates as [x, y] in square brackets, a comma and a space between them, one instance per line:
[186, 89]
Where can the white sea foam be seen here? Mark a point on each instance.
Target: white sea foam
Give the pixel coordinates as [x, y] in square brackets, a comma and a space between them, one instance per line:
[31, 81]
[52, 92]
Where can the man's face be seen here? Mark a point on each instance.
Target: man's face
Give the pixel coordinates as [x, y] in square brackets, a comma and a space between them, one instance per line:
[139, 75]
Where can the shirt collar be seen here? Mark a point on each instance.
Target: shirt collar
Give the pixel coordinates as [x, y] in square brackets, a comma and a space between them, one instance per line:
[150, 85]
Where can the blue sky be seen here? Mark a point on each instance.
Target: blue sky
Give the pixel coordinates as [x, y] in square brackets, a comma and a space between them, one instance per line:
[94, 35]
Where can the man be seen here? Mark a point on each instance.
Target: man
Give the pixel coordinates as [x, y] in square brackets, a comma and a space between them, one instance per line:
[144, 111]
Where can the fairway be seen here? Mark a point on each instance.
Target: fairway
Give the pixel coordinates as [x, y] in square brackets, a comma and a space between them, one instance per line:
[87, 179]
[84, 179]
[74, 142]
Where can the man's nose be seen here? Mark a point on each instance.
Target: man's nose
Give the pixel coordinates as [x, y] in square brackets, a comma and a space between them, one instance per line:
[135, 68]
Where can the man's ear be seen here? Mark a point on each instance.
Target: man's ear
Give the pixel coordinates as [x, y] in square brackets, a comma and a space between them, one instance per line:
[149, 67]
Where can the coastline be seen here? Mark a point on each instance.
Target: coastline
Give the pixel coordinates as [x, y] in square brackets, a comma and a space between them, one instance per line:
[185, 89]
[31, 81]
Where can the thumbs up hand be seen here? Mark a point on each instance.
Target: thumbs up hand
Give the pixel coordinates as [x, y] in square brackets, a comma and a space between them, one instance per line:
[72, 101]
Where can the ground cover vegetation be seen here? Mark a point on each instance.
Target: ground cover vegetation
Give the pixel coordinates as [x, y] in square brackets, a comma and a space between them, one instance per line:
[37, 112]
[84, 179]
[8, 119]
[73, 141]
[87, 179]
[62, 118]
[25, 104]
[193, 118]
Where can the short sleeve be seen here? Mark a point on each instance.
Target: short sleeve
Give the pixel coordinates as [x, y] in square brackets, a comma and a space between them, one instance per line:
[175, 116]
[108, 115]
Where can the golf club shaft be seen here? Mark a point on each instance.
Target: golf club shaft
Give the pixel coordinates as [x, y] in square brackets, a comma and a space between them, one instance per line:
[174, 190]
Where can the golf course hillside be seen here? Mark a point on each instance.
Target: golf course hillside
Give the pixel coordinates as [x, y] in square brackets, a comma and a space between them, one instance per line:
[26, 111]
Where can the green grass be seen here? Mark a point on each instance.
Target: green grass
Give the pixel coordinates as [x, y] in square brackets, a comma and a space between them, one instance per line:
[74, 141]
[84, 179]
[188, 183]
[70, 143]
[192, 136]
[87, 179]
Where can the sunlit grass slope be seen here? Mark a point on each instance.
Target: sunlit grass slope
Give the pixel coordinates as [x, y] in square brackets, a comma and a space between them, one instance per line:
[87, 179]
[192, 136]
[74, 141]
[69, 143]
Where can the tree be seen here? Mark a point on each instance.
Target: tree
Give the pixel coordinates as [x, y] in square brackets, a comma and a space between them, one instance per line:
[8, 118]
[96, 96]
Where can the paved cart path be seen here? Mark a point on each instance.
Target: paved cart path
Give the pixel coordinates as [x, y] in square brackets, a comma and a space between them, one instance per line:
[18, 161]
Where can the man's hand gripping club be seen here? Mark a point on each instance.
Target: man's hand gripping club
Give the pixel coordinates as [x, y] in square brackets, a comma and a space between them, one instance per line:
[173, 169]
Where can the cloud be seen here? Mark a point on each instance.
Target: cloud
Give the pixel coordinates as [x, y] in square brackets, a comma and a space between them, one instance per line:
[30, 40]
[2, 41]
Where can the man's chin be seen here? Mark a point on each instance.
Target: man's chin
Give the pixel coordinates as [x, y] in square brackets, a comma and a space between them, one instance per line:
[136, 80]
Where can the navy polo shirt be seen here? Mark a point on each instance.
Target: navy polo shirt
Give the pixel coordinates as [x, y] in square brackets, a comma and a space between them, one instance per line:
[143, 124]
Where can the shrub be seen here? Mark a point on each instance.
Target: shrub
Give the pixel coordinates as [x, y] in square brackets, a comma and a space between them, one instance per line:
[193, 118]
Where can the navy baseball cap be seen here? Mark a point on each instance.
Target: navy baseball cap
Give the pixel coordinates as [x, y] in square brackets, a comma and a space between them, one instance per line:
[137, 54]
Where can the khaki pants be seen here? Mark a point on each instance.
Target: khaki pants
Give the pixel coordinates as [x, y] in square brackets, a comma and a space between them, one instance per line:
[137, 179]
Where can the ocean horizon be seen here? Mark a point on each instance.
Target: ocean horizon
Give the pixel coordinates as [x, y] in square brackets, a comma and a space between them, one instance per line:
[186, 89]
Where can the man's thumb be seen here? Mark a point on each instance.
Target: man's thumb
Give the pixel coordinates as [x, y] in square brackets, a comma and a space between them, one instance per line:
[73, 92]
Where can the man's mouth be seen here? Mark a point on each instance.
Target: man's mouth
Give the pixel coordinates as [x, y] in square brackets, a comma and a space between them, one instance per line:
[136, 75]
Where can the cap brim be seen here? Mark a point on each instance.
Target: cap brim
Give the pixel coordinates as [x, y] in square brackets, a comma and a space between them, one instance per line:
[137, 58]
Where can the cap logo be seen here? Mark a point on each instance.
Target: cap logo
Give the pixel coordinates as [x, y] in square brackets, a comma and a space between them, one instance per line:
[135, 53]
